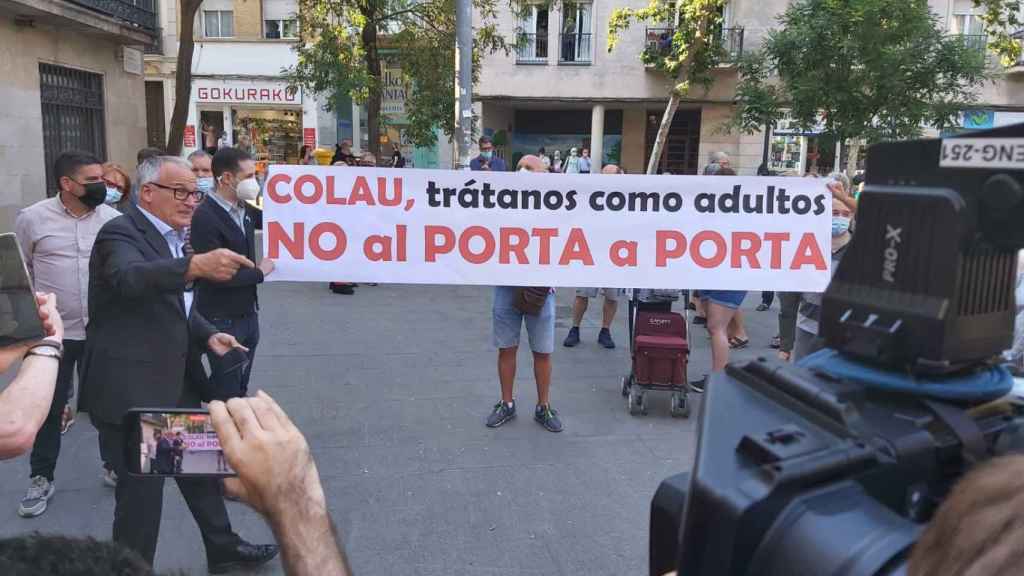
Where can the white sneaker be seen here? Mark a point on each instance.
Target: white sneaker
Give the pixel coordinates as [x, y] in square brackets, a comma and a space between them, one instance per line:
[34, 503]
[110, 478]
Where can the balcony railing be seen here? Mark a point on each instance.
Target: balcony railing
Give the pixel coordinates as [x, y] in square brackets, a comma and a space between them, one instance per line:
[976, 42]
[575, 49]
[532, 49]
[138, 13]
[659, 43]
[157, 45]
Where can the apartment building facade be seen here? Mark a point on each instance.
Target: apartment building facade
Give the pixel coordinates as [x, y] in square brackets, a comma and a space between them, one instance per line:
[563, 89]
[238, 90]
[73, 79]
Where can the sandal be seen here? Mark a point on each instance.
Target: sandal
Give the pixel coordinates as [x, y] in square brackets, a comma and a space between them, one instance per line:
[738, 343]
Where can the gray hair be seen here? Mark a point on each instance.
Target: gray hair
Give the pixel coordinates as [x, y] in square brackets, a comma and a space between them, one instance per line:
[149, 170]
[717, 157]
[712, 169]
[842, 179]
[198, 154]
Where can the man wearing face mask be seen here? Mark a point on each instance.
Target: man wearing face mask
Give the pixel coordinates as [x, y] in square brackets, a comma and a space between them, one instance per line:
[487, 161]
[57, 236]
[807, 339]
[202, 167]
[226, 220]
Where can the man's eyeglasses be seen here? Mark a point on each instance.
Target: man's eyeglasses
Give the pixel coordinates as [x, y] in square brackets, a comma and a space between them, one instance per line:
[181, 193]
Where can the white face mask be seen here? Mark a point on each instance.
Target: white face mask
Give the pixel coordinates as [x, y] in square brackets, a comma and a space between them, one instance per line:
[248, 189]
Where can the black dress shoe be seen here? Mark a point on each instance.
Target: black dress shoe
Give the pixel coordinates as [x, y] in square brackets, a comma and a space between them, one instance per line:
[245, 555]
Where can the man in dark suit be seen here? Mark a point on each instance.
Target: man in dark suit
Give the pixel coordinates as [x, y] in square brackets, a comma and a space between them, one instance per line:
[164, 454]
[226, 220]
[143, 347]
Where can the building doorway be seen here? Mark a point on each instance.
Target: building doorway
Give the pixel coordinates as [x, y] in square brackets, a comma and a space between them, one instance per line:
[679, 155]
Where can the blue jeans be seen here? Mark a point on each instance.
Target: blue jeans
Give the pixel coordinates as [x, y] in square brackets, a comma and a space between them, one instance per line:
[246, 329]
[508, 322]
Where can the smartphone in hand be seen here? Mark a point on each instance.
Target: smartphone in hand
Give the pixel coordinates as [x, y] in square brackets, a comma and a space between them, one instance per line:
[171, 443]
[19, 311]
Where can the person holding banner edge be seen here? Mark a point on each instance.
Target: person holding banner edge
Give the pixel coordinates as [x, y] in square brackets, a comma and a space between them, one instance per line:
[507, 321]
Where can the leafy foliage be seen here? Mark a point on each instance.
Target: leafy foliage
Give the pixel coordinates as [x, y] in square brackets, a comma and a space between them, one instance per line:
[872, 69]
[1003, 20]
[344, 44]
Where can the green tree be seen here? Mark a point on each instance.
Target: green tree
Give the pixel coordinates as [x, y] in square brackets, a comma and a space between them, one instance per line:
[339, 51]
[866, 69]
[1003, 19]
[691, 50]
[183, 76]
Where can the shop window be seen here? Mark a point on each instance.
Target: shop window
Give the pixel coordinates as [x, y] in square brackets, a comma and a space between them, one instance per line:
[281, 29]
[218, 23]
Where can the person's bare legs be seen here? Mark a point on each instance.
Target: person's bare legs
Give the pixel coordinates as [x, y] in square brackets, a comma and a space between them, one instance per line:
[719, 318]
[610, 308]
[507, 372]
[579, 308]
[542, 373]
[737, 329]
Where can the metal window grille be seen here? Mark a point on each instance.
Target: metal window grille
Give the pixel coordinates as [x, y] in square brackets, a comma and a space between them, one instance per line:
[72, 106]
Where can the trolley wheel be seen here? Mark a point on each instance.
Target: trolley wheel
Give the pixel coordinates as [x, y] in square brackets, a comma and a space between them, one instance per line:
[626, 385]
[679, 405]
[636, 402]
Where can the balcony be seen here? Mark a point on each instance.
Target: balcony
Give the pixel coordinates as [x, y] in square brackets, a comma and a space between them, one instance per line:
[130, 22]
[977, 42]
[658, 44]
[575, 49]
[532, 49]
[137, 13]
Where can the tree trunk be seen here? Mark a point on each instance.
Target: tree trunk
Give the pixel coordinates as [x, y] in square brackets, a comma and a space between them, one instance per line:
[373, 103]
[183, 76]
[666, 123]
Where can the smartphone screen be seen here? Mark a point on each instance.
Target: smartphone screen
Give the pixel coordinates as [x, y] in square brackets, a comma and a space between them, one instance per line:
[19, 315]
[173, 442]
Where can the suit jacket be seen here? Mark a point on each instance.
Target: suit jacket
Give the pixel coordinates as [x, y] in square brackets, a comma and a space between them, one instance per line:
[213, 228]
[141, 348]
[164, 457]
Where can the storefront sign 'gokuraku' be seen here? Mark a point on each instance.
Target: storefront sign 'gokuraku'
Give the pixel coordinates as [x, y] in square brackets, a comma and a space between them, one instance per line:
[523, 229]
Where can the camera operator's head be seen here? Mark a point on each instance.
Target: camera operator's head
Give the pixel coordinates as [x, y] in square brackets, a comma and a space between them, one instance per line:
[977, 530]
[60, 555]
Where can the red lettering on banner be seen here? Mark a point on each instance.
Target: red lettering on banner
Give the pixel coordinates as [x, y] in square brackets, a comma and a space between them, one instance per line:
[377, 247]
[720, 249]
[776, 239]
[382, 191]
[615, 253]
[316, 241]
[431, 249]
[300, 194]
[277, 237]
[400, 229]
[361, 193]
[664, 253]
[331, 197]
[467, 253]
[808, 254]
[506, 248]
[265, 94]
[272, 192]
[545, 235]
[749, 252]
[576, 248]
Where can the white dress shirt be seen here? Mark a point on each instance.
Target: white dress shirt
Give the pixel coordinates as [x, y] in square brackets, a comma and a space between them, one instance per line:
[176, 242]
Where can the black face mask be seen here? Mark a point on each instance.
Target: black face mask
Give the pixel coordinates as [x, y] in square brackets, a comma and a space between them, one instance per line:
[95, 194]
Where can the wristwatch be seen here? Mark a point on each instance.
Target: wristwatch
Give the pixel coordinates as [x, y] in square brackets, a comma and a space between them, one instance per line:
[46, 349]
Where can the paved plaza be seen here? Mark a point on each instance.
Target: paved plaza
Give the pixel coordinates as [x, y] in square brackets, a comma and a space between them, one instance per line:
[391, 387]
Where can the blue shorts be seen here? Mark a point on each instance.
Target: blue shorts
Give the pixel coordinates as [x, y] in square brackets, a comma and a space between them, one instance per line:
[728, 298]
[508, 322]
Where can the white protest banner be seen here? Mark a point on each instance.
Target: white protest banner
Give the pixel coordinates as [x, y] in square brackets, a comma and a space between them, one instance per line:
[336, 223]
[201, 441]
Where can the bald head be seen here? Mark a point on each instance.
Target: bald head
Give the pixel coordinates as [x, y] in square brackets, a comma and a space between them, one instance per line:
[611, 169]
[531, 163]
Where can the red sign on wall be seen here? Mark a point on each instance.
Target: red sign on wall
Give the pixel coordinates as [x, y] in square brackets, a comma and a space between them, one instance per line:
[190, 136]
[309, 137]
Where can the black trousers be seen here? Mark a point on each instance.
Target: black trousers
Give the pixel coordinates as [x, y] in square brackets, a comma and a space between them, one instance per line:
[767, 298]
[139, 504]
[788, 304]
[46, 448]
[246, 329]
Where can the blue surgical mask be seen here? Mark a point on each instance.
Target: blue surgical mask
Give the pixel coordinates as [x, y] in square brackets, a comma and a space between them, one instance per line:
[840, 226]
[486, 154]
[113, 195]
[205, 185]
